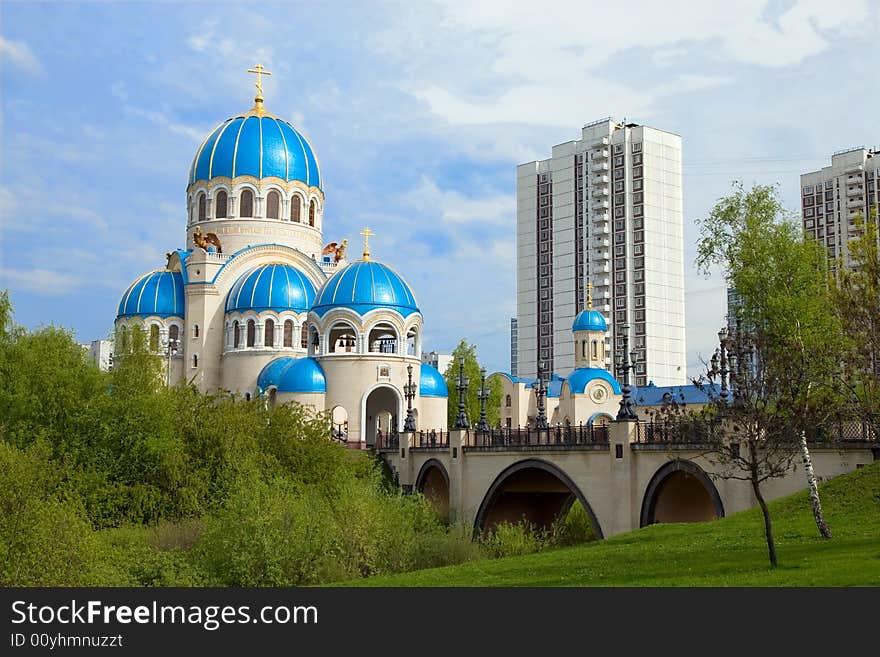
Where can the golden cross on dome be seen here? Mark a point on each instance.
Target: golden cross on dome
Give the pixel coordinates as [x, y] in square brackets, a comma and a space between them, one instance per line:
[367, 233]
[589, 295]
[260, 71]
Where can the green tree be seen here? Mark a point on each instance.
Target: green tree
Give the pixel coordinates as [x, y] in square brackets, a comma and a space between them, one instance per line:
[787, 345]
[472, 401]
[857, 301]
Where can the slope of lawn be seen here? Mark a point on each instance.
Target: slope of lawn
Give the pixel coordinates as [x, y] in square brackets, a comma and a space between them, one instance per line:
[726, 552]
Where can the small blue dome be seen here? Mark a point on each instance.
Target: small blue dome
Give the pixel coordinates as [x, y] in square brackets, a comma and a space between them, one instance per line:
[364, 286]
[258, 146]
[158, 293]
[578, 380]
[589, 320]
[271, 287]
[431, 382]
[292, 375]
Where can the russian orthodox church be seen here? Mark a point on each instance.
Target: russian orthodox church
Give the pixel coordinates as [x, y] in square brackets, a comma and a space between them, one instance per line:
[256, 305]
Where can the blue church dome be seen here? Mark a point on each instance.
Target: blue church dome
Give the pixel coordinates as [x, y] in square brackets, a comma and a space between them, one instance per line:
[271, 287]
[578, 380]
[259, 146]
[157, 293]
[364, 286]
[431, 382]
[292, 375]
[589, 320]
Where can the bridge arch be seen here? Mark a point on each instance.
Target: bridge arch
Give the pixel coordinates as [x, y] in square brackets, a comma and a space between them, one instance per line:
[680, 491]
[433, 482]
[533, 488]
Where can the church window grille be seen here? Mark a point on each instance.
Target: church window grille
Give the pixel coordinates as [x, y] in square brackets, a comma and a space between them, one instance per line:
[247, 204]
[251, 332]
[221, 205]
[312, 213]
[295, 205]
[507, 401]
[173, 333]
[288, 333]
[273, 201]
[236, 335]
[203, 207]
[269, 339]
[304, 337]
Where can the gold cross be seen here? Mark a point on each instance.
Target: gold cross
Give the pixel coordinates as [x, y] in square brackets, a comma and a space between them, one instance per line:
[589, 295]
[260, 71]
[367, 233]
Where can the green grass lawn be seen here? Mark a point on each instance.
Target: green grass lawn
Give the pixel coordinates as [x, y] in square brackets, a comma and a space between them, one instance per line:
[727, 552]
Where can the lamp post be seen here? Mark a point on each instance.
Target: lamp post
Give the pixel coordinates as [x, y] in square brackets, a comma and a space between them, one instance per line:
[720, 363]
[540, 393]
[461, 384]
[170, 350]
[409, 391]
[483, 395]
[626, 412]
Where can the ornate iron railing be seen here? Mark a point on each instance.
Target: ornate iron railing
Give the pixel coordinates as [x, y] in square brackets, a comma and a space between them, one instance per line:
[525, 437]
[683, 431]
[430, 439]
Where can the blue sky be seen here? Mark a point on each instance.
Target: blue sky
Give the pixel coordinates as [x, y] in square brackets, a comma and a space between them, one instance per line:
[419, 112]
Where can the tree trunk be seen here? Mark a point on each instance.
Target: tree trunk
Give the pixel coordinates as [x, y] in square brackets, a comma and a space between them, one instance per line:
[768, 527]
[821, 525]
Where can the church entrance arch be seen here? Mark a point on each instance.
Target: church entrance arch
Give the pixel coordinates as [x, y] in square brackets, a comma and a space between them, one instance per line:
[380, 413]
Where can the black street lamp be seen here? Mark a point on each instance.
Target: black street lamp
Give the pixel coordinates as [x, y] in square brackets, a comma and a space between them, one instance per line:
[626, 412]
[483, 395]
[170, 350]
[409, 391]
[540, 393]
[461, 384]
[722, 362]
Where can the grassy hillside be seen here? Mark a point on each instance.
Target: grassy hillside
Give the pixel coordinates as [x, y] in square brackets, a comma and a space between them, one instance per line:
[726, 552]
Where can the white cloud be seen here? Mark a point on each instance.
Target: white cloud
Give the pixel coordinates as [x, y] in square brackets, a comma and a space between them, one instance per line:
[20, 55]
[454, 207]
[163, 120]
[43, 282]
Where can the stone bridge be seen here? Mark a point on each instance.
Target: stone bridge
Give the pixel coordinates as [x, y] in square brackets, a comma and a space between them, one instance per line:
[624, 475]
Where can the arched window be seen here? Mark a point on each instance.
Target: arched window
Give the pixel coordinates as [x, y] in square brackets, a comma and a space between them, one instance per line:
[273, 203]
[203, 207]
[236, 335]
[295, 205]
[507, 401]
[595, 350]
[195, 360]
[304, 337]
[246, 207]
[221, 205]
[251, 332]
[195, 330]
[269, 337]
[288, 333]
[312, 212]
[154, 338]
[173, 334]
[584, 348]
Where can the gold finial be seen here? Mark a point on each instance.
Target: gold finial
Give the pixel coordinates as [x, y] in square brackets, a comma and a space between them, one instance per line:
[260, 71]
[589, 295]
[367, 233]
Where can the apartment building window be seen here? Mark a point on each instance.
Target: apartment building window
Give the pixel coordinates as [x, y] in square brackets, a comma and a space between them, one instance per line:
[620, 290]
[639, 223]
[545, 212]
[639, 249]
[639, 263]
[618, 224]
[637, 159]
[620, 276]
[620, 263]
[638, 197]
[820, 233]
[545, 270]
[639, 275]
[545, 330]
[619, 199]
[544, 247]
[640, 303]
[829, 207]
[620, 316]
[808, 223]
[618, 160]
[544, 177]
[619, 238]
[820, 210]
[640, 343]
[545, 200]
[637, 147]
[620, 303]
[808, 189]
[829, 196]
[619, 211]
[545, 342]
[618, 250]
[637, 185]
[618, 186]
[637, 172]
[640, 329]
[639, 236]
[638, 210]
[640, 288]
[618, 174]
[829, 184]
[618, 148]
[545, 282]
[808, 201]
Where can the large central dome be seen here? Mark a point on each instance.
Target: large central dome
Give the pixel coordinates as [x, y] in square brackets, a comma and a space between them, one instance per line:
[364, 286]
[259, 145]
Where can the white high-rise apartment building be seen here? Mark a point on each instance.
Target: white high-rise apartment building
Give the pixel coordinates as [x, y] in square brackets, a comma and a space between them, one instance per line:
[834, 196]
[607, 209]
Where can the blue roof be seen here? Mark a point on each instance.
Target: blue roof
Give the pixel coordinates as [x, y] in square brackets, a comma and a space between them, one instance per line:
[652, 395]
[589, 320]
[578, 380]
[259, 146]
[363, 286]
[431, 382]
[155, 293]
[271, 287]
[292, 375]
